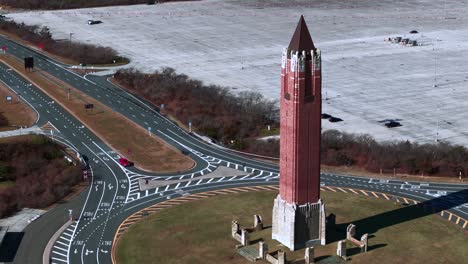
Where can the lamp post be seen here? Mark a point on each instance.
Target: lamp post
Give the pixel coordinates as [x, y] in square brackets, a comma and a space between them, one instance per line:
[435, 63]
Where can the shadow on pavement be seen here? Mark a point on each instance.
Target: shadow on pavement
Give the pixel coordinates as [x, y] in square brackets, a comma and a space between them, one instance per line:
[10, 245]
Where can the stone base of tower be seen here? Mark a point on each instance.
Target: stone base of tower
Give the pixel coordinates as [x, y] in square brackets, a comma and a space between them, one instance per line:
[298, 226]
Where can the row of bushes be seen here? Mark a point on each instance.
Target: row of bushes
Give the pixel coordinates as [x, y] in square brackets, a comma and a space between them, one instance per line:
[404, 157]
[40, 174]
[236, 121]
[79, 52]
[213, 110]
[70, 4]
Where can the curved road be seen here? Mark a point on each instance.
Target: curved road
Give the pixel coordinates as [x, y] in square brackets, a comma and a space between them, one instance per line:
[114, 192]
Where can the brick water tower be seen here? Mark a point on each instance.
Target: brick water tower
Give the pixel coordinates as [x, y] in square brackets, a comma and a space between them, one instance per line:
[298, 211]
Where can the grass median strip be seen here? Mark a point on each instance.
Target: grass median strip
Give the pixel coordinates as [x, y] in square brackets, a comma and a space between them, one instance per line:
[123, 135]
[16, 113]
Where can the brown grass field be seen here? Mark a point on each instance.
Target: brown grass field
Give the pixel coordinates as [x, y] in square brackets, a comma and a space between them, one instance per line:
[198, 232]
[148, 153]
[17, 113]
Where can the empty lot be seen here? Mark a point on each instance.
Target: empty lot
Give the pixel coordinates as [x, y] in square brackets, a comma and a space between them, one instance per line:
[238, 43]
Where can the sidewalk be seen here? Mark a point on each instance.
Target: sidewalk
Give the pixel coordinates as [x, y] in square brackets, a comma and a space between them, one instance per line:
[21, 131]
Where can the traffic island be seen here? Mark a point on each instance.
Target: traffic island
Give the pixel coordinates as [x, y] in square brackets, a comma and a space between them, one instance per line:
[202, 227]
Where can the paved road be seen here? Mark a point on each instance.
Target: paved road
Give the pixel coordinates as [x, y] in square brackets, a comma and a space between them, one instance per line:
[114, 191]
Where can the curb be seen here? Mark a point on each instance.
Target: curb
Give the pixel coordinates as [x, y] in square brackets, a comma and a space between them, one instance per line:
[50, 244]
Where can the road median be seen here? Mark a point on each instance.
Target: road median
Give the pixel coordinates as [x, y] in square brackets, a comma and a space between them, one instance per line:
[126, 137]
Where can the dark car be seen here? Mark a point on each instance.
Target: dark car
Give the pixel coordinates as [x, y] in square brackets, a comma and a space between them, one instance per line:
[94, 22]
[392, 123]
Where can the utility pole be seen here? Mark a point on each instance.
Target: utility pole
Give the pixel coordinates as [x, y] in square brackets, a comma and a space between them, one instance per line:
[435, 63]
[437, 127]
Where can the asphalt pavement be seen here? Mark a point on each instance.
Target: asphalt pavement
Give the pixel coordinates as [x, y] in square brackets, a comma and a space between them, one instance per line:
[114, 192]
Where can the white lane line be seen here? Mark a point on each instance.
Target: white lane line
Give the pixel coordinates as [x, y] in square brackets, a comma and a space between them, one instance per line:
[100, 200]
[113, 174]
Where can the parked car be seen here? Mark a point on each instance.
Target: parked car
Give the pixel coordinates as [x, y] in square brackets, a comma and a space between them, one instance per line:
[94, 22]
[125, 162]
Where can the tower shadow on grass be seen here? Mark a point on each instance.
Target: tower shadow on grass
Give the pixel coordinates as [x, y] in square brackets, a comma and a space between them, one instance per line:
[374, 223]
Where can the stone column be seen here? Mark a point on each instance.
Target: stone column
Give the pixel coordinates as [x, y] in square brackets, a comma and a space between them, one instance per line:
[245, 237]
[262, 250]
[309, 256]
[281, 257]
[341, 249]
[258, 222]
[350, 231]
[234, 228]
[364, 240]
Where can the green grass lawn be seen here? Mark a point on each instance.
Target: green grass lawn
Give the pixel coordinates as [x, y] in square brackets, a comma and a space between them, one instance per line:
[199, 232]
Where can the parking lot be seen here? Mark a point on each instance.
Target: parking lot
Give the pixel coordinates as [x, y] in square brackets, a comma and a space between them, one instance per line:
[238, 44]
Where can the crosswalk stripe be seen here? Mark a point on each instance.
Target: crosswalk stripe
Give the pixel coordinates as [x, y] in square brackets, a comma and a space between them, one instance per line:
[250, 188]
[264, 188]
[58, 253]
[60, 242]
[59, 248]
[341, 189]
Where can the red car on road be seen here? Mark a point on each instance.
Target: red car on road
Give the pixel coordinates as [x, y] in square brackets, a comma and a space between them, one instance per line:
[125, 162]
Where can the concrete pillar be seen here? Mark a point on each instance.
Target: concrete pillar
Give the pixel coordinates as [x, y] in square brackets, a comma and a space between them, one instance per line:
[258, 222]
[262, 250]
[350, 231]
[234, 228]
[309, 256]
[281, 257]
[245, 237]
[341, 249]
[364, 240]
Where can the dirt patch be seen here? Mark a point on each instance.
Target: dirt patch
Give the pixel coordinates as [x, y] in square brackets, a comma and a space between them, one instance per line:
[124, 136]
[16, 113]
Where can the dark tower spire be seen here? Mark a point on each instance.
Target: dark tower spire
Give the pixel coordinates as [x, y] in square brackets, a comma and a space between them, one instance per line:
[301, 39]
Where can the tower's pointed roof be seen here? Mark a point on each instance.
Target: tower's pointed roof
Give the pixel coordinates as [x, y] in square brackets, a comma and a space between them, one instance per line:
[301, 39]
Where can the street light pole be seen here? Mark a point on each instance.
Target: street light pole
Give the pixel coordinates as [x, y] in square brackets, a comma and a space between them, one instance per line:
[435, 63]
[437, 127]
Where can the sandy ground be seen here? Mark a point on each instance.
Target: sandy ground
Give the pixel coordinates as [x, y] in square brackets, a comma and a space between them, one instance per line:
[238, 43]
